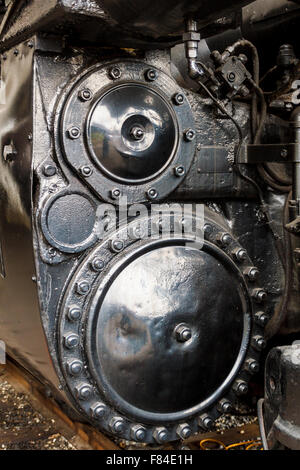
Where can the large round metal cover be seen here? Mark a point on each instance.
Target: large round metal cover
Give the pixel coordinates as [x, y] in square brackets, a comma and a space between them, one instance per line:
[132, 132]
[170, 331]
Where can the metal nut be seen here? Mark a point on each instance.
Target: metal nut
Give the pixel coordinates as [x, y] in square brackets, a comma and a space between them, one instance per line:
[74, 132]
[115, 73]
[74, 314]
[151, 75]
[189, 135]
[75, 367]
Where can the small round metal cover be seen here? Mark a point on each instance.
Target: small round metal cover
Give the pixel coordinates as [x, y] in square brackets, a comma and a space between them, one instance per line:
[136, 356]
[130, 132]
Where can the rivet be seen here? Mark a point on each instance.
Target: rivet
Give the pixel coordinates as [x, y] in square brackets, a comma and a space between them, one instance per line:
[189, 135]
[74, 132]
[49, 170]
[82, 288]
[71, 341]
[259, 295]
[178, 99]
[85, 95]
[74, 314]
[138, 433]
[252, 366]
[240, 387]
[152, 193]
[151, 75]
[75, 367]
[251, 273]
[115, 193]
[115, 73]
[179, 171]
[97, 264]
[261, 318]
[86, 171]
[116, 246]
[224, 406]
[117, 425]
[259, 343]
[240, 254]
[160, 435]
[206, 422]
[98, 410]
[84, 392]
[183, 431]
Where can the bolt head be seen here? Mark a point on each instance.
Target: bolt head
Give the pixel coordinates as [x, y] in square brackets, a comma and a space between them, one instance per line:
[86, 171]
[225, 406]
[138, 433]
[240, 254]
[116, 246]
[117, 425]
[284, 153]
[178, 99]
[183, 333]
[85, 95]
[115, 193]
[74, 132]
[206, 422]
[97, 264]
[179, 171]
[84, 392]
[262, 318]
[184, 431]
[224, 239]
[252, 366]
[71, 341]
[82, 288]
[115, 73]
[252, 274]
[240, 387]
[151, 75]
[75, 367]
[260, 295]
[74, 314]
[231, 77]
[207, 229]
[160, 435]
[189, 135]
[152, 193]
[98, 411]
[259, 343]
[49, 170]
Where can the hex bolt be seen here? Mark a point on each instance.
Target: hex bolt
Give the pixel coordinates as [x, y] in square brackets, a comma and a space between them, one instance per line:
[138, 433]
[152, 193]
[183, 333]
[97, 264]
[160, 435]
[189, 135]
[252, 274]
[223, 239]
[74, 314]
[206, 422]
[224, 406]
[183, 431]
[49, 170]
[240, 254]
[85, 95]
[252, 366]
[84, 391]
[98, 411]
[240, 387]
[74, 132]
[207, 229]
[75, 367]
[261, 318]
[71, 340]
[179, 171]
[259, 295]
[82, 288]
[116, 246]
[86, 171]
[115, 73]
[115, 193]
[258, 343]
[178, 99]
[151, 75]
[117, 425]
[137, 133]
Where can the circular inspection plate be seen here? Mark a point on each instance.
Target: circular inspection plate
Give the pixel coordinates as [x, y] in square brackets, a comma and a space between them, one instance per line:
[130, 138]
[160, 333]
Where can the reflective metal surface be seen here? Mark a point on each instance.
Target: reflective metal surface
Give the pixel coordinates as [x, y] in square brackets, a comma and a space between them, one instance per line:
[141, 358]
[132, 132]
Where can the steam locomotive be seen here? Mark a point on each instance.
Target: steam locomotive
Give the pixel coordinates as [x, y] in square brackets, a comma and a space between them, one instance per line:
[180, 114]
